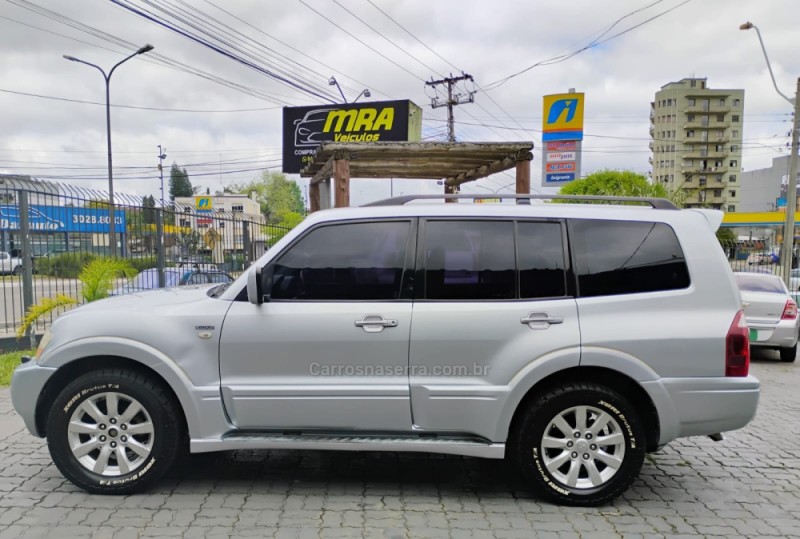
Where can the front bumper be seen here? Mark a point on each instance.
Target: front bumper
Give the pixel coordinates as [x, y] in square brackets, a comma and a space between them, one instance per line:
[26, 385]
[702, 406]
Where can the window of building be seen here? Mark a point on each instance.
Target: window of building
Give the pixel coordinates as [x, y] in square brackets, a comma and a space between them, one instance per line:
[469, 260]
[692, 102]
[540, 251]
[737, 102]
[732, 178]
[731, 208]
[239, 208]
[717, 192]
[358, 261]
[222, 224]
[722, 102]
[690, 117]
[184, 222]
[625, 257]
[732, 193]
[702, 180]
[720, 117]
[734, 148]
[687, 162]
[719, 148]
[735, 133]
[734, 163]
[735, 118]
[689, 133]
[187, 209]
[693, 83]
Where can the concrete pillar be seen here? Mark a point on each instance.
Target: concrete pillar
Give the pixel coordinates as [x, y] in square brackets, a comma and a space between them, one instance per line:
[325, 194]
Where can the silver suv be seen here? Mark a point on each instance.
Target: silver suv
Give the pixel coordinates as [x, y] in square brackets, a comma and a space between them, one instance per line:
[570, 339]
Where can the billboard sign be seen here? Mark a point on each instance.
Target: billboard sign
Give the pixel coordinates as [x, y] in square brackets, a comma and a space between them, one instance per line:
[562, 136]
[305, 128]
[203, 203]
[563, 117]
[62, 219]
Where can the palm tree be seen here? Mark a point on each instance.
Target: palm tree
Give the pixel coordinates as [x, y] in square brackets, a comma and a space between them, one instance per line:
[97, 277]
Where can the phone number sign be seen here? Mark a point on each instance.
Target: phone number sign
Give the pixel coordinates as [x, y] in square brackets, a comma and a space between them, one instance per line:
[62, 219]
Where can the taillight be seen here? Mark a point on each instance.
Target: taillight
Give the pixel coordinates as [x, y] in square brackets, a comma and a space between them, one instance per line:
[737, 347]
[789, 311]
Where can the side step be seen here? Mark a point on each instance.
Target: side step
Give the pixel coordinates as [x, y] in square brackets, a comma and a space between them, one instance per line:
[471, 447]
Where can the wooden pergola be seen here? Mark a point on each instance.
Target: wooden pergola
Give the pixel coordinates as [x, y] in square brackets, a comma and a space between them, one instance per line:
[454, 162]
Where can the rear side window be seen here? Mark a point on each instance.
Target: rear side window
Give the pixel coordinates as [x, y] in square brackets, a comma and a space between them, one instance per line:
[358, 261]
[469, 260]
[626, 257]
[760, 283]
[540, 255]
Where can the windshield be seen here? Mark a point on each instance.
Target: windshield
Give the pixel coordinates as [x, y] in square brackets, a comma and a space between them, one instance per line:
[760, 283]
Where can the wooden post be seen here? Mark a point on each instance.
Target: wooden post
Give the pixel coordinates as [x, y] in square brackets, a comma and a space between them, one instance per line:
[524, 172]
[341, 179]
[450, 190]
[313, 196]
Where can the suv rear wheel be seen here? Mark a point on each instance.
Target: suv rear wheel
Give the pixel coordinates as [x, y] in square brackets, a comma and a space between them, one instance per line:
[114, 431]
[579, 444]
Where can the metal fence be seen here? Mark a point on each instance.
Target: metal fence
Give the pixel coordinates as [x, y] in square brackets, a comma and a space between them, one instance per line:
[49, 232]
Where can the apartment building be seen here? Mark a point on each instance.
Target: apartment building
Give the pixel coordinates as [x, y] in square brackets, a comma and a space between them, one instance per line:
[696, 142]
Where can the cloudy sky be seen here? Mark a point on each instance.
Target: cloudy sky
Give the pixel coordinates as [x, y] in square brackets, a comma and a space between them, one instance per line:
[221, 119]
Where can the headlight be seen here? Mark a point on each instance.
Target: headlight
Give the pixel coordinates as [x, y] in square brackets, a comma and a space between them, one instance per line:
[43, 342]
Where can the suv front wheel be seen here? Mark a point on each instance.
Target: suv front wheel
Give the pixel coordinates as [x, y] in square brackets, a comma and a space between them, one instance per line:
[579, 444]
[114, 431]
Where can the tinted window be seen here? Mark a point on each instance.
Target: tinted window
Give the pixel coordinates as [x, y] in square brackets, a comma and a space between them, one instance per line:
[359, 261]
[760, 283]
[540, 254]
[619, 257]
[469, 260]
[218, 278]
[198, 278]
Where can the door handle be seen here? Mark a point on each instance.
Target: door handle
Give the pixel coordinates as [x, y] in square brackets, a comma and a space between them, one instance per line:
[540, 320]
[374, 323]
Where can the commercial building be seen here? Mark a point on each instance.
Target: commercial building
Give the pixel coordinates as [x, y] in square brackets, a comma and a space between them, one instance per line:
[696, 141]
[764, 189]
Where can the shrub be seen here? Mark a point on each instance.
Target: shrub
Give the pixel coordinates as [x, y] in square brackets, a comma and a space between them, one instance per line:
[67, 265]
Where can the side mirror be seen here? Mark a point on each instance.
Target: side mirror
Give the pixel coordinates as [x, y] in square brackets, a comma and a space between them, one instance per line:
[255, 292]
[259, 284]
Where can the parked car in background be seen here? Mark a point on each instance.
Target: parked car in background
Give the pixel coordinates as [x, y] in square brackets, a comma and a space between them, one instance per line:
[762, 259]
[10, 265]
[148, 279]
[770, 312]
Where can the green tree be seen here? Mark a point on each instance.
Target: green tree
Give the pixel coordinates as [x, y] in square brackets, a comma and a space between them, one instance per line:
[622, 183]
[149, 210]
[179, 184]
[276, 194]
[289, 220]
[97, 278]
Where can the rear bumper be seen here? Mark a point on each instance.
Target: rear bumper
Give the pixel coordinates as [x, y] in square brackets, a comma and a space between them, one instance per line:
[781, 335]
[702, 406]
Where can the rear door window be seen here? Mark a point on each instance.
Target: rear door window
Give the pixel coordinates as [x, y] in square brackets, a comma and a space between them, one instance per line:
[540, 256]
[626, 257]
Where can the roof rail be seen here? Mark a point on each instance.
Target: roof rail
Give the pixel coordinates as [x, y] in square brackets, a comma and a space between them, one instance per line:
[655, 203]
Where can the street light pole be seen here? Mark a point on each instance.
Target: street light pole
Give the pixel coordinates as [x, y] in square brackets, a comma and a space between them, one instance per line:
[107, 77]
[787, 250]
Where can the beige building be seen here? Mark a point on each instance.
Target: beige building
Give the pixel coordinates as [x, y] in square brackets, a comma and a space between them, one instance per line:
[696, 140]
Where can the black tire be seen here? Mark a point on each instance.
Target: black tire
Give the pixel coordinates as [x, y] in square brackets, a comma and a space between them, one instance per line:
[527, 453]
[17, 270]
[788, 355]
[165, 442]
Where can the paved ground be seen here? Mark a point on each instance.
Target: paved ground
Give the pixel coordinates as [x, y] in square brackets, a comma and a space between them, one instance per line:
[748, 485]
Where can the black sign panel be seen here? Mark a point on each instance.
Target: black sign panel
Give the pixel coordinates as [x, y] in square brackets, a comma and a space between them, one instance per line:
[305, 128]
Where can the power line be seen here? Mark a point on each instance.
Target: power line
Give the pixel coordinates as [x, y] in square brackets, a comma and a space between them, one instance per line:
[594, 43]
[160, 109]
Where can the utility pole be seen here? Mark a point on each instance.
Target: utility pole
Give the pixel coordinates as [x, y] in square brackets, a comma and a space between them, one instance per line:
[162, 154]
[452, 100]
[791, 196]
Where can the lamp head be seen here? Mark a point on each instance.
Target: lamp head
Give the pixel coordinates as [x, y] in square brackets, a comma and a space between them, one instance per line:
[147, 48]
[70, 58]
[367, 93]
[746, 26]
[332, 81]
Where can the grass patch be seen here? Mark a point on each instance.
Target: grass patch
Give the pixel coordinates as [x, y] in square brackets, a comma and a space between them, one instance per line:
[9, 362]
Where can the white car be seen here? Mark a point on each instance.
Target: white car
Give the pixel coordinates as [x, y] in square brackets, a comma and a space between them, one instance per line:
[770, 312]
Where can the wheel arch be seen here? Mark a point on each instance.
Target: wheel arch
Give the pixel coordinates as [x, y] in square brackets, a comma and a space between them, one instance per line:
[613, 379]
[69, 371]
